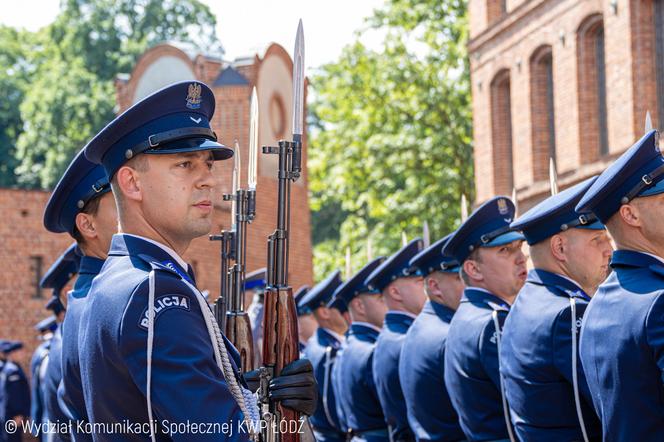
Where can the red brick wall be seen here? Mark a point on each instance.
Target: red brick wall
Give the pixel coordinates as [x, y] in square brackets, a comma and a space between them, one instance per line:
[511, 42]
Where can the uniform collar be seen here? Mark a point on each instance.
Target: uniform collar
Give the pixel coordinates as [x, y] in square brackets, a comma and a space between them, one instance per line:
[335, 335]
[125, 244]
[632, 258]
[90, 265]
[562, 282]
[399, 317]
[442, 311]
[360, 326]
[480, 295]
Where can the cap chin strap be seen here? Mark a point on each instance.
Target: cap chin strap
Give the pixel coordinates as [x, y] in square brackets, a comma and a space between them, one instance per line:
[646, 181]
[581, 220]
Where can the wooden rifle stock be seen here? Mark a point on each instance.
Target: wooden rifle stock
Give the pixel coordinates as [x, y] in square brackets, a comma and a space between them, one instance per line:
[238, 331]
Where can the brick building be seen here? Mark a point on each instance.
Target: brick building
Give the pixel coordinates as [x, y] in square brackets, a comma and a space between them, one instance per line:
[28, 250]
[567, 79]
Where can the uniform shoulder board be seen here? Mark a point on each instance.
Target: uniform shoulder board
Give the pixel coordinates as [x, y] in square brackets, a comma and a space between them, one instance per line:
[498, 307]
[166, 266]
[13, 378]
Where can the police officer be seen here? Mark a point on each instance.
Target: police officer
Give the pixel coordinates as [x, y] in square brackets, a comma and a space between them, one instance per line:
[352, 378]
[401, 286]
[46, 328]
[622, 337]
[421, 366]
[14, 392]
[56, 278]
[148, 339]
[82, 206]
[254, 286]
[321, 350]
[493, 269]
[544, 382]
[306, 324]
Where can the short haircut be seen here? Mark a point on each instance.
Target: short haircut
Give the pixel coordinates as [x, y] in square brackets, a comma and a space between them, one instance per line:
[475, 256]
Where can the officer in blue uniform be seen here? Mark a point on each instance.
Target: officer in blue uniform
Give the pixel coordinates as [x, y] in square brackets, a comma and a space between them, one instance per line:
[352, 378]
[401, 286]
[545, 384]
[321, 350]
[14, 392]
[56, 278]
[622, 336]
[254, 296]
[421, 366]
[493, 269]
[148, 340]
[306, 324]
[82, 206]
[46, 328]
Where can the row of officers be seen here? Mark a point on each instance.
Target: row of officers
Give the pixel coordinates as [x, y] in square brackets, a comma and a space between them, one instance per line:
[460, 341]
[456, 341]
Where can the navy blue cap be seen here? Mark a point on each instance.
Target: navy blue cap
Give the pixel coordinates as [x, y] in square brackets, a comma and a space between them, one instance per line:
[82, 182]
[556, 214]
[637, 172]
[297, 296]
[62, 270]
[174, 119]
[394, 267]
[432, 259]
[46, 324]
[338, 303]
[322, 292]
[355, 285]
[7, 347]
[256, 279]
[55, 305]
[487, 226]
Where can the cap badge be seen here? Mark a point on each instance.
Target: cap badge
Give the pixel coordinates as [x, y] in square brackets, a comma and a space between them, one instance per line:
[502, 206]
[194, 96]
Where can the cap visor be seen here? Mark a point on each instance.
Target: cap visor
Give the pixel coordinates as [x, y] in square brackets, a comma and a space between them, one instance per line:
[597, 225]
[219, 151]
[505, 238]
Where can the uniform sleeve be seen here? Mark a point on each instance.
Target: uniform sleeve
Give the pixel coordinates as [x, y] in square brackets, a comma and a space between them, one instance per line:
[18, 394]
[488, 349]
[655, 333]
[187, 385]
[369, 379]
[562, 348]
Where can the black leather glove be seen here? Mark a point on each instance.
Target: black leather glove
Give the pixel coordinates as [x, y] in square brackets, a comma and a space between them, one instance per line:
[296, 387]
[253, 380]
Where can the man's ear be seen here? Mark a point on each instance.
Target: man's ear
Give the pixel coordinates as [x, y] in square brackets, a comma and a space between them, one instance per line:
[86, 226]
[129, 183]
[357, 304]
[630, 214]
[472, 269]
[432, 286]
[394, 293]
[557, 246]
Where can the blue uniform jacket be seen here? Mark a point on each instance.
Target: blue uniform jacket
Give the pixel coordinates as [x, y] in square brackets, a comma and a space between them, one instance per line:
[386, 374]
[421, 369]
[336, 380]
[70, 390]
[622, 349]
[471, 365]
[14, 397]
[321, 350]
[357, 395]
[51, 382]
[187, 386]
[536, 361]
[40, 354]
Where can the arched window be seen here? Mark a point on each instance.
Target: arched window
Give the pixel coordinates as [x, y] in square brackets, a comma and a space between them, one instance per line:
[495, 10]
[593, 129]
[542, 116]
[501, 133]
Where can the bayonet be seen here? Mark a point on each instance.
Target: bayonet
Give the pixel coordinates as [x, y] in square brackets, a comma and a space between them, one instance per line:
[515, 201]
[464, 208]
[298, 84]
[553, 177]
[425, 234]
[404, 239]
[253, 141]
[648, 125]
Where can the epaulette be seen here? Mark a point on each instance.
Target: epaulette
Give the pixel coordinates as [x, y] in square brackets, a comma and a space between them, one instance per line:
[160, 266]
[497, 307]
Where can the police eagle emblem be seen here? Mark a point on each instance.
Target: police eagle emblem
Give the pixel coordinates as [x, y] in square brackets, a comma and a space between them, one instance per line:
[502, 206]
[194, 96]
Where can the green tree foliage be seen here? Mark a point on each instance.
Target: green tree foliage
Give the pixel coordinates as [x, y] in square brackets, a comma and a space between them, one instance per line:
[391, 144]
[73, 63]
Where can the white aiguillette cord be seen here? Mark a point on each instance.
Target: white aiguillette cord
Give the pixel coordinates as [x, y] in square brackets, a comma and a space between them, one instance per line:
[506, 410]
[244, 398]
[575, 375]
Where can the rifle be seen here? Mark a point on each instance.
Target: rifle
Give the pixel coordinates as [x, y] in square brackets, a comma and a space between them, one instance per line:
[280, 342]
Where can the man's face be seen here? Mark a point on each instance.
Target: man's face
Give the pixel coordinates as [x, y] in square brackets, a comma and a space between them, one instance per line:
[306, 326]
[374, 308]
[503, 268]
[446, 288]
[176, 194]
[588, 253]
[651, 210]
[412, 292]
[106, 219]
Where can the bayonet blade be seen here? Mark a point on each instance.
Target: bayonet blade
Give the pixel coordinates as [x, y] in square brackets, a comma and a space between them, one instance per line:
[404, 239]
[348, 267]
[648, 125]
[553, 177]
[464, 208]
[515, 201]
[253, 141]
[235, 182]
[298, 84]
[425, 234]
